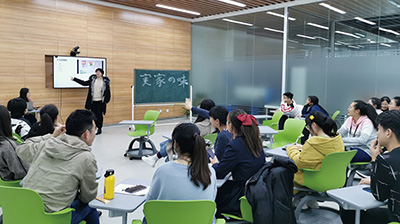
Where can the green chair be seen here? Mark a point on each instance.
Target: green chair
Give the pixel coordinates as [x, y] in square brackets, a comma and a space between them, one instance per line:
[142, 135]
[179, 212]
[332, 175]
[335, 114]
[273, 123]
[245, 210]
[211, 137]
[353, 168]
[17, 138]
[10, 183]
[292, 131]
[21, 205]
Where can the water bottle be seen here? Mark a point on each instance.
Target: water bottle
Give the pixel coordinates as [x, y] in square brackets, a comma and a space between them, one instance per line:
[109, 183]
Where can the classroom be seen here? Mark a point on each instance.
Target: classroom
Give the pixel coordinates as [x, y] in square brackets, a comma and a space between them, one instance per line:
[259, 78]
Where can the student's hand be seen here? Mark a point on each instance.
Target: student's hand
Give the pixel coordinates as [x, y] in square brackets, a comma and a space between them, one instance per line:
[188, 104]
[59, 130]
[214, 160]
[300, 115]
[366, 181]
[375, 149]
[299, 146]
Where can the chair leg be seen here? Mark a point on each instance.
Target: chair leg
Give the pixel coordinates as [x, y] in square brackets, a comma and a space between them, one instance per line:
[303, 201]
[351, 178]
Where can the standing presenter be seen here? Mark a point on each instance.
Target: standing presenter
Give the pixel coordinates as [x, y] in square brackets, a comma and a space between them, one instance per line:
[98, 95]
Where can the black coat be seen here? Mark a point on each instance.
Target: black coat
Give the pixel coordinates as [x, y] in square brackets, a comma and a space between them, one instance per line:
[106, 96]
[270, 190]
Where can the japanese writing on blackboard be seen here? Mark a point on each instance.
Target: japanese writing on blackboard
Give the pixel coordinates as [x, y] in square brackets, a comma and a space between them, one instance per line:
[160, 79]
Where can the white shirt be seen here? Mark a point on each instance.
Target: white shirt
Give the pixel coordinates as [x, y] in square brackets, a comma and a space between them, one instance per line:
[97, 91]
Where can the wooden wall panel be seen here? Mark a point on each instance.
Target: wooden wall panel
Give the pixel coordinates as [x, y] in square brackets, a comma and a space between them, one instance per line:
[31, 29]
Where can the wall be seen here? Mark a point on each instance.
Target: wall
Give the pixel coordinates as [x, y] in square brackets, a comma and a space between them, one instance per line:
[31, 29]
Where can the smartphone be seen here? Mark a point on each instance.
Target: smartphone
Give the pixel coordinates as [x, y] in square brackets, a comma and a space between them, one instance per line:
[135, 188]
[210, 153]
[367, 189]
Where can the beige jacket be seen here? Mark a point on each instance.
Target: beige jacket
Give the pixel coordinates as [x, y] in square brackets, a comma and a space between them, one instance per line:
[205, 127]
[61, 168]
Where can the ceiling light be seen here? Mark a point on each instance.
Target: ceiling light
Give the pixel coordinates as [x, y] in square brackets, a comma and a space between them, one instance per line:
[365, 21]
[340, 42]
[304, 36]
[238, 22]
[233, 3]
[394, 3]
[318, 37]
[372, 42]
[319, 26]
[177, 9]
[347, 34]
[359, 34]
[355, 47]
[293, 41]
[386, 45]
[280, 15]
[332, 8]
[273, 30]
[360, 46]
[389, 31]
[311, 45]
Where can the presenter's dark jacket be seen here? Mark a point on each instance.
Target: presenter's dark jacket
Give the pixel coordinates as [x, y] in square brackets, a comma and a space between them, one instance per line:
[106, 93]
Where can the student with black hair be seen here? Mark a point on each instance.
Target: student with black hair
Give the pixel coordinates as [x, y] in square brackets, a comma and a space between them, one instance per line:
[376, 103]
[63, 168]
[360, 129]
[385, 101]
[311, 105]
[48, 120]
[324, 140]
[289, 108]
[11, 166]
[395, 103]
[20, 125]
[385, 178]
[189, 177]
[25, 94]
[203, 120]
[99, 95]
[243, 157]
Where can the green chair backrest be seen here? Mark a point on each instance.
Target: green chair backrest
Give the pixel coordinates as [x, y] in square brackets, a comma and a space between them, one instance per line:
[21, 205]
[211, 137]
[179, 212]
[10, 183]
[335, 114]
[292, 130]
[245, 209]
[273, 123]
[333, 172]
[150, 115]
[17, 138]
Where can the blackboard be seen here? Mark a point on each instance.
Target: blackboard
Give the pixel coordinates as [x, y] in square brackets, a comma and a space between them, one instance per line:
[161, 86]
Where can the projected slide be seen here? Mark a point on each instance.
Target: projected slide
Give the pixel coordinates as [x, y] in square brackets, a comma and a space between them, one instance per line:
[65, 67]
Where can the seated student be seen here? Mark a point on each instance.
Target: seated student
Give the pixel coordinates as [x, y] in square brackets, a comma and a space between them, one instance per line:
[11, 166]
[63, 168]
[26, 95]
[385, 179]
[385, 101]
[360, 129]
[289, 108]
[189, 177]
[20, 125]
[376, 103]
[395, 103]
[243, 157]
[311, 105]
[48, 120]
[203, 123]
[217, 116]
[325, 140]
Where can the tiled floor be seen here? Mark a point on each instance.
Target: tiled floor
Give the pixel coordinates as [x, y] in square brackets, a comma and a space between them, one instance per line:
[109, 149]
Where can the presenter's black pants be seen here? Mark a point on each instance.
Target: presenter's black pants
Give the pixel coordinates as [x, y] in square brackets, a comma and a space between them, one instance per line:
[97, 110]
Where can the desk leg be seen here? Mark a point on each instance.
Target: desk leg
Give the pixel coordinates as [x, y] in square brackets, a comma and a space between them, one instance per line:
[271, 138]
[357, 216]
[125, 219]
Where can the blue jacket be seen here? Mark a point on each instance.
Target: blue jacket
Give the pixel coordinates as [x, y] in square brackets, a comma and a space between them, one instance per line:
[308, 110]
[238, 160]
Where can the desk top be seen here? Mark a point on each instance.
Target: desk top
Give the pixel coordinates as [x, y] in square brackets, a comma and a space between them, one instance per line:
[351, 144]
[138, 122]
[265, 130]
[279, 152]
[122, 202]
[355, 197]
[262, 116]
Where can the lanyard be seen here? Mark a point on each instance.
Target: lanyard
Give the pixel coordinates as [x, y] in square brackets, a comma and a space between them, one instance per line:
[354, 134]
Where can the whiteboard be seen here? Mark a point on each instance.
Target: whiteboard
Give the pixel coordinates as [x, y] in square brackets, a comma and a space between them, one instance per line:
[65, 67]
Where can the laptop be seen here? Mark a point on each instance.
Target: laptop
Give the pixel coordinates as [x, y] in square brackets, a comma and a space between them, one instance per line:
[29, 106]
